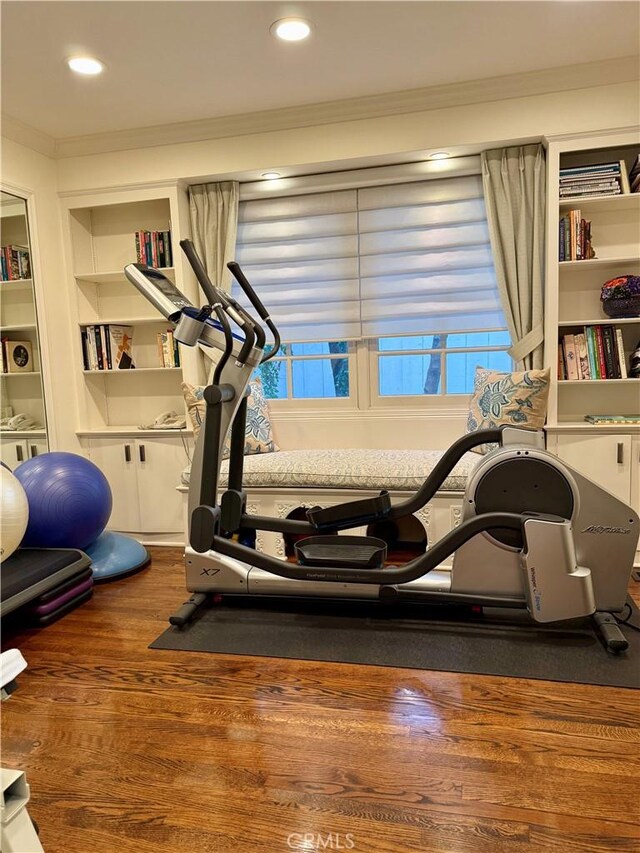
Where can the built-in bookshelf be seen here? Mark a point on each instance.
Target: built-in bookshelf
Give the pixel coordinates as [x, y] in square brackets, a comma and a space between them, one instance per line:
[573, 301]
[104, 235]
[20, 392]
[606, 451]
[118, 404]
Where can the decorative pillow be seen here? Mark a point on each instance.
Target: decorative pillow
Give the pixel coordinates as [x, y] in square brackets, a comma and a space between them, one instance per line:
[517, 399]
[259, 434]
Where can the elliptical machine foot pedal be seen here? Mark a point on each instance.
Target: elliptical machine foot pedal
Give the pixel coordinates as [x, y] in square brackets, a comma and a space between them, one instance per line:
[350, 514]
[345, 552]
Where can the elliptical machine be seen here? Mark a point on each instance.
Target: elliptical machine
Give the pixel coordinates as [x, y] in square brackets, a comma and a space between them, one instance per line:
[535, 534]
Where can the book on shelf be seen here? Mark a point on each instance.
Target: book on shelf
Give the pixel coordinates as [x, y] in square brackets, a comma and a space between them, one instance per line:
[612, 419]
[107, 347]
[574, 238]
[15, 263]
[601, 179]
[596, 352]
[168, 351]
[153, 248]
[634, 176]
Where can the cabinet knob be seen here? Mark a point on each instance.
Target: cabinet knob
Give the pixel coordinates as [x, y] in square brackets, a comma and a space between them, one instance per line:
[620, 453]
[127, 453]
[19, 453]
[141, 451]
[34, 450]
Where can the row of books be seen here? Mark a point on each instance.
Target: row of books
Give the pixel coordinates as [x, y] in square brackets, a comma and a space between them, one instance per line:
[107, 347]
[153, 248]
[575, 238]
[15, 263]
[595, 353]
[596, 180]
[168, 350]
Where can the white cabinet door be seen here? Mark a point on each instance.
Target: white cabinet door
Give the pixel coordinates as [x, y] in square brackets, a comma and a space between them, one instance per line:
[160, 462]
[117, 459]
[13, 451]
[36, 446]
[605, 459]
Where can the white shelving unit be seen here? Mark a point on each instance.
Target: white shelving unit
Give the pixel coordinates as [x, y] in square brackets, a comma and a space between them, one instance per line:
[142, 466]
[608, 454]
[20, 392]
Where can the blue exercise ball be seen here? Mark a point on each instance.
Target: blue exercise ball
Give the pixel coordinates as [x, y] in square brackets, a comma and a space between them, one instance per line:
[69, 500]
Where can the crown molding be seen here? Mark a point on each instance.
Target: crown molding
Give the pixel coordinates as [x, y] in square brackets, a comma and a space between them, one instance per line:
[28, 136]
[562, 79]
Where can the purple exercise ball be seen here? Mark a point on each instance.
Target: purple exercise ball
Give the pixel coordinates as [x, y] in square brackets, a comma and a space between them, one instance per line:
[69, 500]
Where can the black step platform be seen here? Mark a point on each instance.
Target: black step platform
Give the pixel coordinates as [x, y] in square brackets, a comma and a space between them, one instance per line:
[355, 552]
[30, 572]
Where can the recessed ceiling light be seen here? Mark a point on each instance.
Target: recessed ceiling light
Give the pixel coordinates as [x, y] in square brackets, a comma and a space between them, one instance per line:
[440, 155]
[291, 29]
[85, 65]
[271, 176]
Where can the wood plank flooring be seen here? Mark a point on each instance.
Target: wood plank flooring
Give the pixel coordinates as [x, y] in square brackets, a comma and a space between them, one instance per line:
[128, 749]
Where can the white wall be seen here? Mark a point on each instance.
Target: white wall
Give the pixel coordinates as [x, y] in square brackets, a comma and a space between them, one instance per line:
[477, 125]
[35, 175]
[343, 145]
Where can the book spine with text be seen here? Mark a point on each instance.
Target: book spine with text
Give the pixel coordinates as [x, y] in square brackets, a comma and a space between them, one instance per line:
[622, 361]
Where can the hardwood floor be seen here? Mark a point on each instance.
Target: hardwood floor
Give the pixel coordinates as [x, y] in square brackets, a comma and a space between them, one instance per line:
[128, 749]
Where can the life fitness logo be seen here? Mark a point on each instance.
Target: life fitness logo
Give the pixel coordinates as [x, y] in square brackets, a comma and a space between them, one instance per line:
[318, 841]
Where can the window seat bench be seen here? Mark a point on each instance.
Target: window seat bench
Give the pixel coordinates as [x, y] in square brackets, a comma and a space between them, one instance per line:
[279, 484]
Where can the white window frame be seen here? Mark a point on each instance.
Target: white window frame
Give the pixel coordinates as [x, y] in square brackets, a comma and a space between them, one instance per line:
[290, 403]
[423, 401]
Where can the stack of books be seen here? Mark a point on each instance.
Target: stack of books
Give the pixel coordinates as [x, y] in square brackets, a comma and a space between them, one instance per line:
[574, 241]
[107, 347]
[14, 263]
[597, 352]
[168, 351]
[153, 248]
[634, 176]
[597, 180]
[612, 419]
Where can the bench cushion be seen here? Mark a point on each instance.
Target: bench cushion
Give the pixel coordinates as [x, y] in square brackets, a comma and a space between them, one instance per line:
[396, 470]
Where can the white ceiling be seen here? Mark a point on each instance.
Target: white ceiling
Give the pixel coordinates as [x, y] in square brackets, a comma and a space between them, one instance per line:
[180, 61]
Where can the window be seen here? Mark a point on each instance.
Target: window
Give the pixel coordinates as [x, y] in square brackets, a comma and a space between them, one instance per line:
[438, 364]
[387, 286]
[317, 370]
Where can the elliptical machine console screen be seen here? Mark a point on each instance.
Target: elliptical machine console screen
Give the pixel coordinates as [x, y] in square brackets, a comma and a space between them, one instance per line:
[158, 289]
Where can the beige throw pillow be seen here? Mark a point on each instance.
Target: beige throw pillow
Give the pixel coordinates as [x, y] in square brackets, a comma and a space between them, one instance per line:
[514, 399]
[259, 433]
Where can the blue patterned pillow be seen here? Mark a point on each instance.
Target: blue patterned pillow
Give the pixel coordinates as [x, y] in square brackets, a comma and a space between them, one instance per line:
[259, 433]
[514, 399]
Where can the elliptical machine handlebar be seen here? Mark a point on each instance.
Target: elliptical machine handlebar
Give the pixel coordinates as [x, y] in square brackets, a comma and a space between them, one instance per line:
[253, 331]
[254, 299]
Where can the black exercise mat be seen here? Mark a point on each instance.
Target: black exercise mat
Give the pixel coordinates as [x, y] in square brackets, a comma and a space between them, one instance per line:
[496, 642]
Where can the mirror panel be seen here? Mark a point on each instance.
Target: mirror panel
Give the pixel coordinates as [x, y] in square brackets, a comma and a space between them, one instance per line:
[22, 406]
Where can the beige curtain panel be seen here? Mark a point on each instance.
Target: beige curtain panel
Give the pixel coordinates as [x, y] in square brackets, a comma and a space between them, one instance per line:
[214, 226]
[514, 190]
